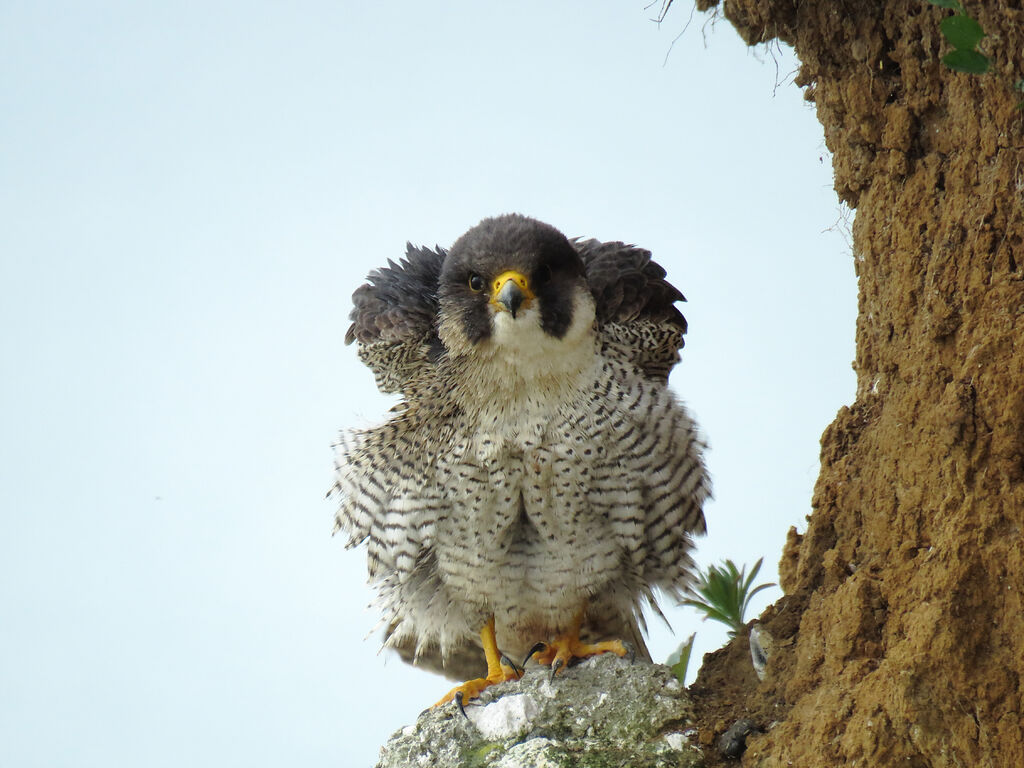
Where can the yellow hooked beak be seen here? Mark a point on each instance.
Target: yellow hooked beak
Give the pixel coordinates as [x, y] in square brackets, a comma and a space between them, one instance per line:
[510, 291]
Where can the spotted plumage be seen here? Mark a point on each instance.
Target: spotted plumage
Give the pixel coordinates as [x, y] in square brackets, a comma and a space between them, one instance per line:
[537, 468]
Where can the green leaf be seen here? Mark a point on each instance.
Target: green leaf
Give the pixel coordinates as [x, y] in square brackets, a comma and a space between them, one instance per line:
[709, 611]
[726, 592]
[753, 592]
[948, 4]
[971, 62]
[1019, 85]
[753, 573]
[679, 659]
[962, 31]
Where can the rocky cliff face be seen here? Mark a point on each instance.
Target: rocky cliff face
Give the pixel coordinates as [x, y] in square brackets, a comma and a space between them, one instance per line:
[901, 637]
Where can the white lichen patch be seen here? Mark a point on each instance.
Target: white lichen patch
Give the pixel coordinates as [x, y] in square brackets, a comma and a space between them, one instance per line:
[507, 718]
[675, 740]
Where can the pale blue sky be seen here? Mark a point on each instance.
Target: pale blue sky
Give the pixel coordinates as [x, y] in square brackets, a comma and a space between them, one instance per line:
[189, 193]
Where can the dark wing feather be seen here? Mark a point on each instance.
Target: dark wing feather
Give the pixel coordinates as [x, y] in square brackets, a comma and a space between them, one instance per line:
[398, 302]
[394, 317]
[635, 305]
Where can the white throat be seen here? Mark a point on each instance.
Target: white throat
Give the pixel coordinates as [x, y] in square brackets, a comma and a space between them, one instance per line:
[521, 373]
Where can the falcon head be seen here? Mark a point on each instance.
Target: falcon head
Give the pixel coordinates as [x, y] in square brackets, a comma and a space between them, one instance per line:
[510, 284]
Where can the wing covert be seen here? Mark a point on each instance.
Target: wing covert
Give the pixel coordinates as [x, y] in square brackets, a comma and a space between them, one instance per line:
[635, 305]
[394, 317]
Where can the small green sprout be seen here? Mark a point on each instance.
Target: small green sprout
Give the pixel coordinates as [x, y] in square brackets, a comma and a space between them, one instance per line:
[964, 34]
[726, 592]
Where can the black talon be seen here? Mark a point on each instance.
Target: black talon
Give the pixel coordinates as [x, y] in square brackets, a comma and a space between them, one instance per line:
[509, 663]
[536, 649]
[556, 665]
[630, 651]
[458, 703]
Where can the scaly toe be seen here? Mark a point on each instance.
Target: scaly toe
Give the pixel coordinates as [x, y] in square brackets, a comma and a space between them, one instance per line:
[561, 651]
[472, 688]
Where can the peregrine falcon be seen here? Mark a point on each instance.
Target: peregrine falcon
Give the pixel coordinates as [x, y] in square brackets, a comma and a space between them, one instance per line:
[538, 480]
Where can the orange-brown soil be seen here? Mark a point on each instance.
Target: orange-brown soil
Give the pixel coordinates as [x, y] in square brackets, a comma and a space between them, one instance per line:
[900, 640]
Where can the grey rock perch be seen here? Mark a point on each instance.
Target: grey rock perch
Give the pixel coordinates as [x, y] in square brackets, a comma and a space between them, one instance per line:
[603, 713]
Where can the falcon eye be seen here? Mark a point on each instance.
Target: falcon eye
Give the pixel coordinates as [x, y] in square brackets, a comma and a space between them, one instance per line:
[542, 275]
[476, 282]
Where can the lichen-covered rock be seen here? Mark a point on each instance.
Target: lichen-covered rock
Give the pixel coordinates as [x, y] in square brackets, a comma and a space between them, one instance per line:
[602, 713]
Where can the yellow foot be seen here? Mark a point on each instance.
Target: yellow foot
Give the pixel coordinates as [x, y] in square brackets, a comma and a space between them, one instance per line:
[567, 646]
[499, 670]
[472, 688]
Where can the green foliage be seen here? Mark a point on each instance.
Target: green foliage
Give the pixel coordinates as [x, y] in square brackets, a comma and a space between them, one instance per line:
[726, 593]
[964, 34]
[971, 62]
[679, 659]
[962, 31]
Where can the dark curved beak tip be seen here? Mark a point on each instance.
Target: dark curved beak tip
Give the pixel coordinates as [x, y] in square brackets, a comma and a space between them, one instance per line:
[511, 297]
